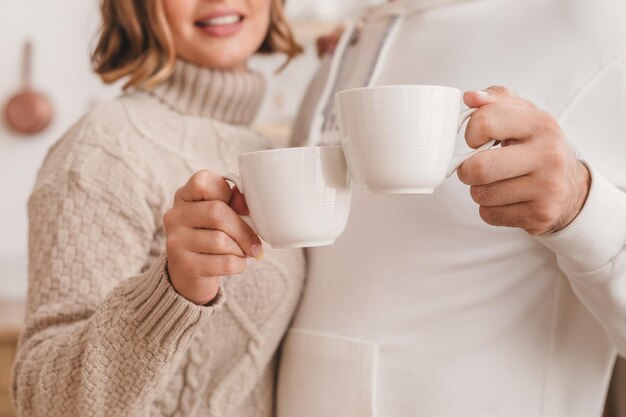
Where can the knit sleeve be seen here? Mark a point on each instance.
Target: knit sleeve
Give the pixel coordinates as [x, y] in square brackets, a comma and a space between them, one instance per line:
[591, 251]
[104, 331]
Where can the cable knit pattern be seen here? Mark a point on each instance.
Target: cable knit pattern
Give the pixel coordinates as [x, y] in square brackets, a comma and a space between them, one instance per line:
[105, 333]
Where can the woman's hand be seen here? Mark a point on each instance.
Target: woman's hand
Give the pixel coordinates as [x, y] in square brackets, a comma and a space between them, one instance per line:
[206, 237]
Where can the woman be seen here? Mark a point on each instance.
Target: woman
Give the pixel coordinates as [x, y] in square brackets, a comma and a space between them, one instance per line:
[114, 327]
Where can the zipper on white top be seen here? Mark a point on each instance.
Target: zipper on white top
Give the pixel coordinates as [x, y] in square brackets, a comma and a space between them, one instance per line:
[323, 129]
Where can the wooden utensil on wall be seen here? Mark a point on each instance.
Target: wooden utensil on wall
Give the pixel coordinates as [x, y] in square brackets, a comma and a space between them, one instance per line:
[28, 111]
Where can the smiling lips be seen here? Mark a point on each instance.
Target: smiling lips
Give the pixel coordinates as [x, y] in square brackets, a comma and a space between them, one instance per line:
[221, 25]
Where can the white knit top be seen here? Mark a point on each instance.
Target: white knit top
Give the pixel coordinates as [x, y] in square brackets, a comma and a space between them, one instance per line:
[422, 309]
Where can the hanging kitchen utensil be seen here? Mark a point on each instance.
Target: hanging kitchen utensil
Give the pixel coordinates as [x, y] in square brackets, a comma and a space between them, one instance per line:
[28, 111]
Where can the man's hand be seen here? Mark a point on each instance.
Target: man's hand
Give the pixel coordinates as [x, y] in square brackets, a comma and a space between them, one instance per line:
[535, 181]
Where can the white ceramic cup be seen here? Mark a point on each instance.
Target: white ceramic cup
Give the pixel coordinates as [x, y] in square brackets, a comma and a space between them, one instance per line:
[401, 139]
[298, 197]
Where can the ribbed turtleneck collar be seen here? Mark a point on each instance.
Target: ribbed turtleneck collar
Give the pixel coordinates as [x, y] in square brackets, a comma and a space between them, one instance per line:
[229, 96]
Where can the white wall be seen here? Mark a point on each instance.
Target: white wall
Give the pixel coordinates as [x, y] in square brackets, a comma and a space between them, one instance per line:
[62, 32]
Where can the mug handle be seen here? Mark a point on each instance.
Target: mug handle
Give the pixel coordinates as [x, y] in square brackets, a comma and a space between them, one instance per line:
[458, 159]
[236, 180]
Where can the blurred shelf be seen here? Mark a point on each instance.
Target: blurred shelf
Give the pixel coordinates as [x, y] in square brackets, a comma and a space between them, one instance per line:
[309, 30]
[278, 133]
[11, 317]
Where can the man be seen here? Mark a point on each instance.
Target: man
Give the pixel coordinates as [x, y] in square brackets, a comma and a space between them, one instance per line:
[504, 293]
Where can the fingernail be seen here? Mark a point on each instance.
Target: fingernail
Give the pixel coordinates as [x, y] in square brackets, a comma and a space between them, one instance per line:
[256, 251]
[482, 93]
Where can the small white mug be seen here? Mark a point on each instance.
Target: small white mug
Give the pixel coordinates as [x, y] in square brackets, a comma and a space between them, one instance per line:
[401, 139]
[298, 197]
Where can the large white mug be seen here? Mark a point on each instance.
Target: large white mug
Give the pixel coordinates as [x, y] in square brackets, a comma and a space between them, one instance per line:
[298, 197]
[401, 139]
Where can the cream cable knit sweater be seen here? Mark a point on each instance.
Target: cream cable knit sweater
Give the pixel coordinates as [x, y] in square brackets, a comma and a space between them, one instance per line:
[106, 334]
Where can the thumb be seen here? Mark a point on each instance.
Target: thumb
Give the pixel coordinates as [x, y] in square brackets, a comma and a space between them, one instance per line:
[238, 203]
[494, 94]
[475, 99]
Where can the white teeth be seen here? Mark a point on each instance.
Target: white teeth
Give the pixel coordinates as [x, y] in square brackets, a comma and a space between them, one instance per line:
[222, 20]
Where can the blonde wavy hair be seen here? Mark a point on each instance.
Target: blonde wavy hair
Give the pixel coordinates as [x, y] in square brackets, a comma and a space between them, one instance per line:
[135, 42]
